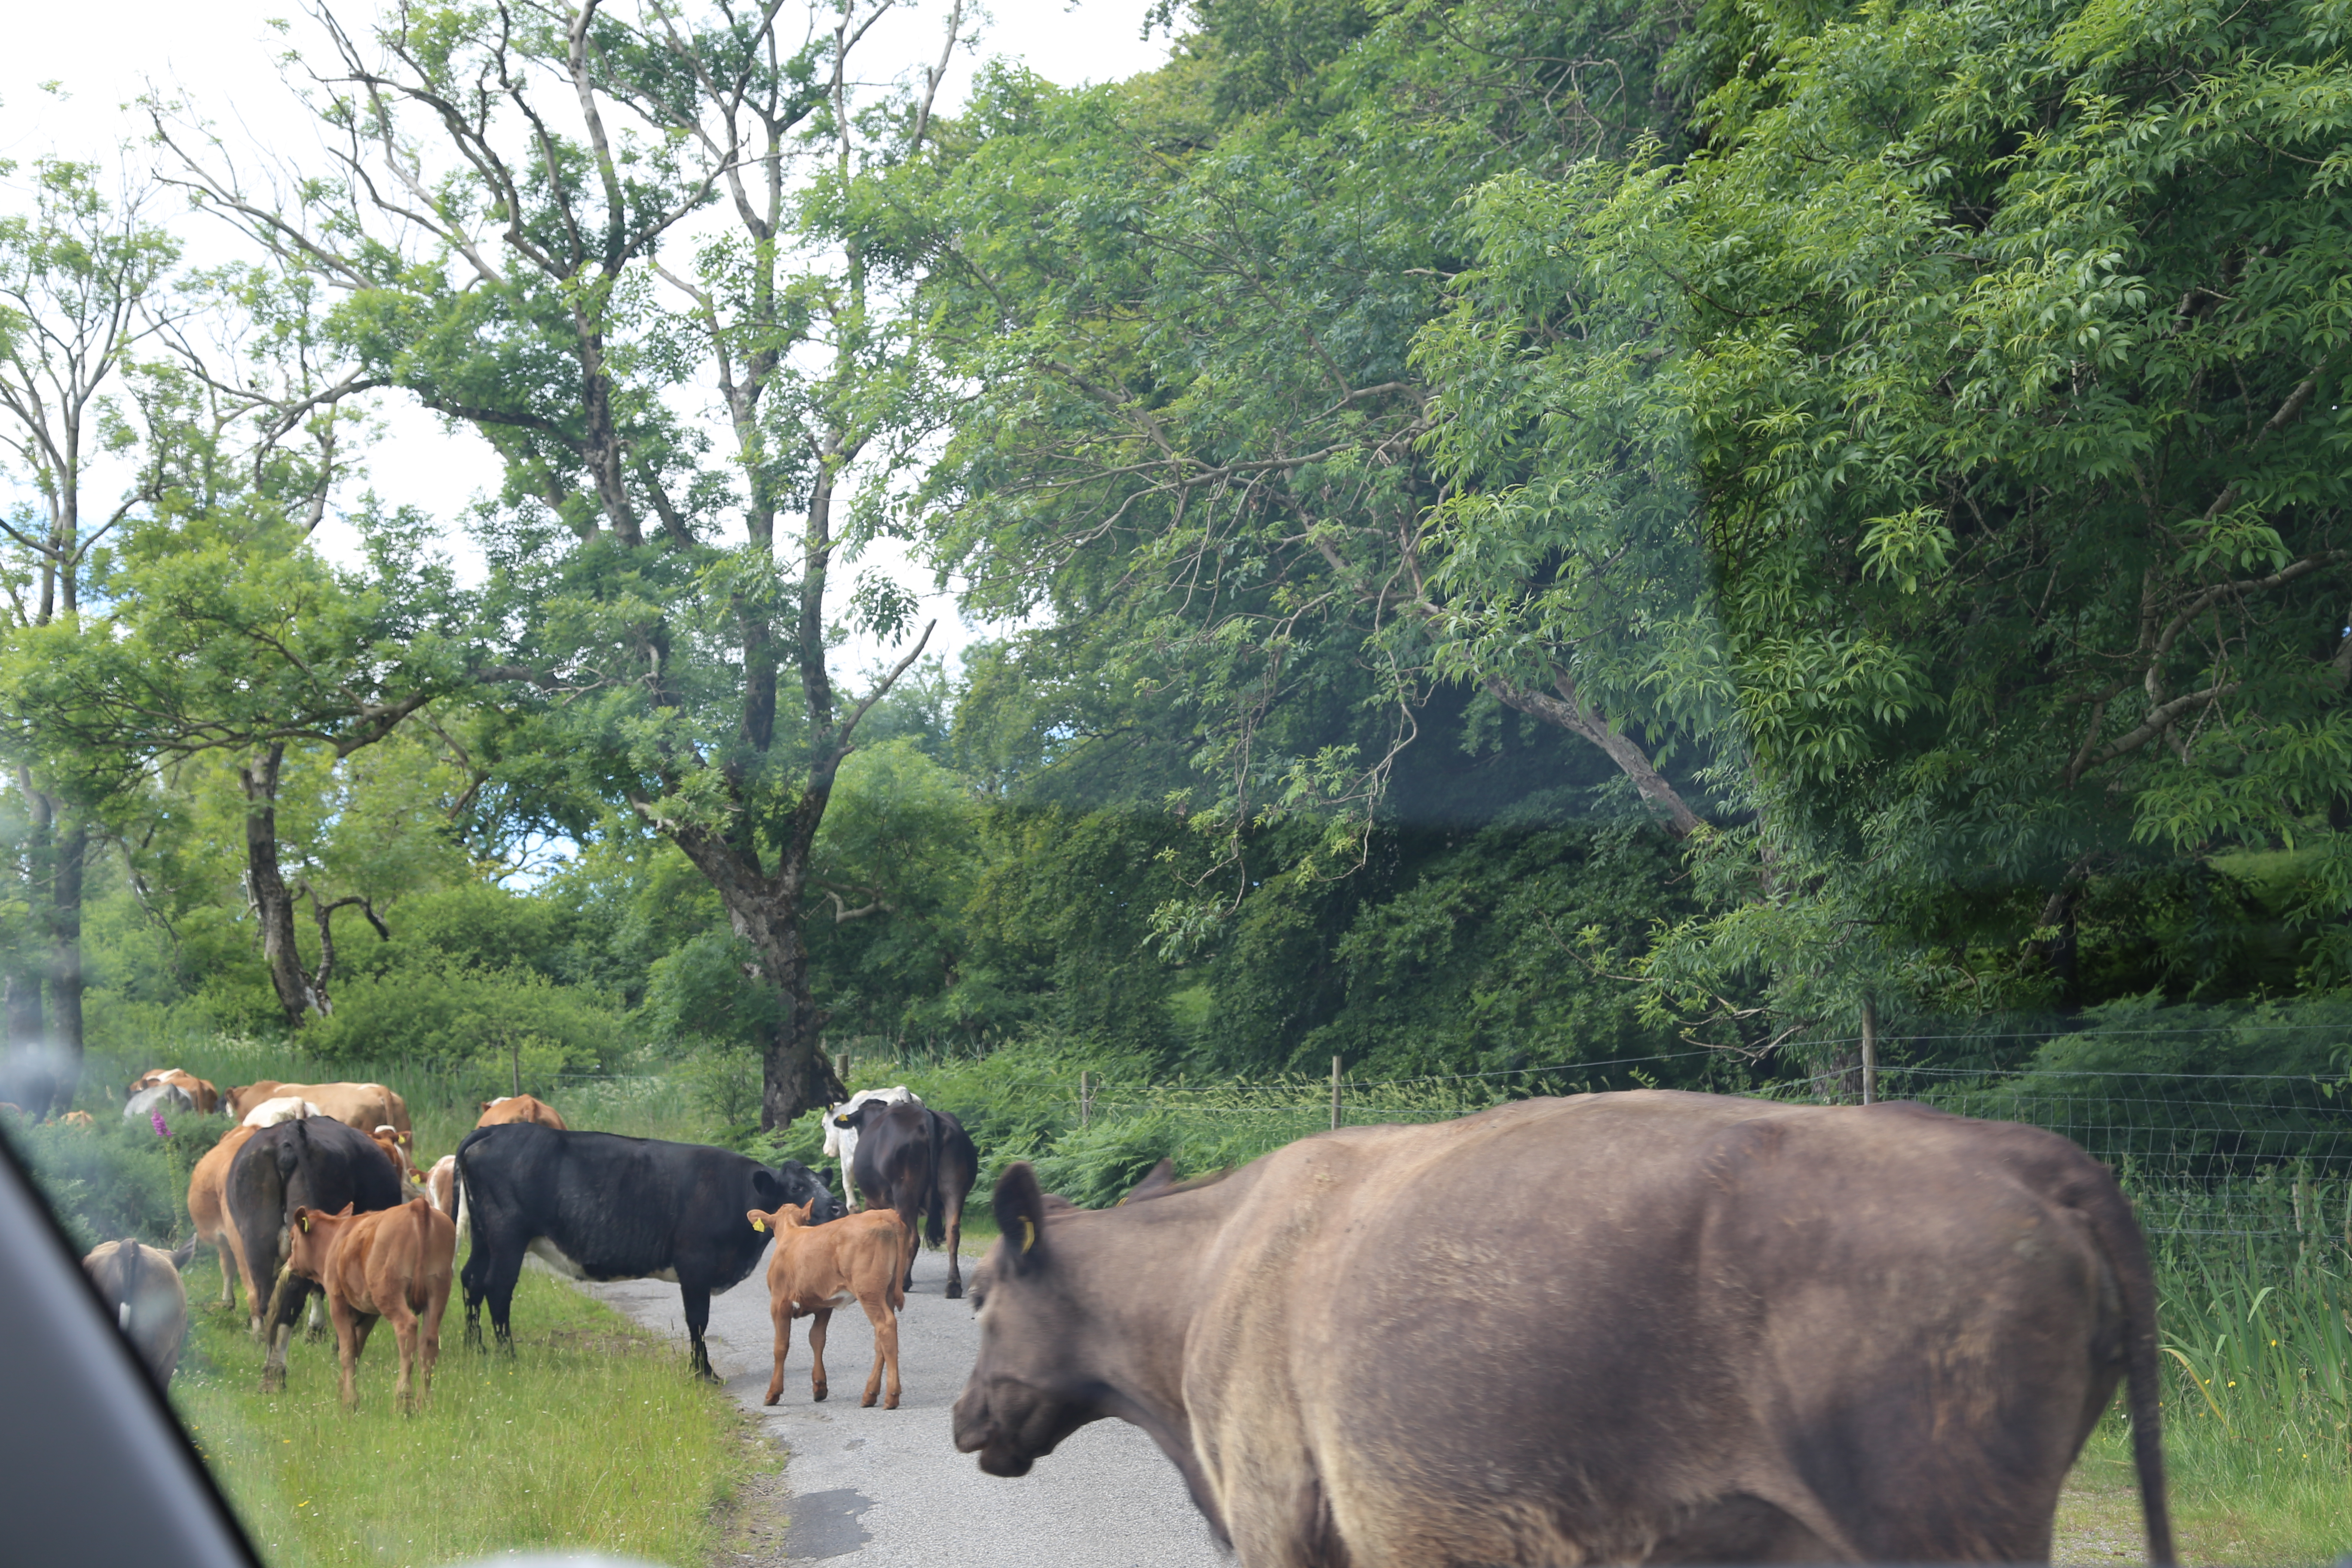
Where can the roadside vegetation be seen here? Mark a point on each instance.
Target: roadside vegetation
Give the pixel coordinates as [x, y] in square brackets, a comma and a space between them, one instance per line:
[592, 1439]
[1525, 547]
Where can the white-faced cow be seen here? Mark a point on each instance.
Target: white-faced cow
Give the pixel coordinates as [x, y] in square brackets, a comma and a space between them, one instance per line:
[841, 1135]
[595, 1205]
[921, 1164]
[312, 1161]
[1648, 1327]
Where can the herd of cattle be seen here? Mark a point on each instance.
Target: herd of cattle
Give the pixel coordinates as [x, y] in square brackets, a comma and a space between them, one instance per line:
[315, 1196]
[1648, 1327]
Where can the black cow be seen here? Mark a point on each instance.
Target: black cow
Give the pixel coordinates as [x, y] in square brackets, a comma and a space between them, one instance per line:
[595, 1205]
[920, 1161]
[309, 1164]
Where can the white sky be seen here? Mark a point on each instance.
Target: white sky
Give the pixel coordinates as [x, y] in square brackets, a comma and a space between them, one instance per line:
[223, 56]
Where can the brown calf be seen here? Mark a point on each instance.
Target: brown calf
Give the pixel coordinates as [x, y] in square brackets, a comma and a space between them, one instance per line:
[816, 1268]
[388, 1139]
[394, 1263]
[519, 1108]
[208, 1206]
[78, 1119]
[207, 1097]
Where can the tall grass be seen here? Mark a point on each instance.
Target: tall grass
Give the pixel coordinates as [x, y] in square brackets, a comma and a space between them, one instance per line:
[593, 1438]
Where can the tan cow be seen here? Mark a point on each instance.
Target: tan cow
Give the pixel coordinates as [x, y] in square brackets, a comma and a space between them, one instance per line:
[393, 1263]
[519, 1108]
[240, 1098]
[1648, 1327]
[366, 1106]
[441, 1186]
[816, 1268]
[208, 1207]
[81, 1119]
[140, 1286]
[279, 1107]
[206, 1097]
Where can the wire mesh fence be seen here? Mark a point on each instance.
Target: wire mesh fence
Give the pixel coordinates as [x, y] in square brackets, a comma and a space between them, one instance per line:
[2210, 1158]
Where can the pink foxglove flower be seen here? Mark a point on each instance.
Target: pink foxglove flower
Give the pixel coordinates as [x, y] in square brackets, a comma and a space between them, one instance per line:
[157, 1118]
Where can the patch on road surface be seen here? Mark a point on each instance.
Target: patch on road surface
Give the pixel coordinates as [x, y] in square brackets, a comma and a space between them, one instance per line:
[825, 1524]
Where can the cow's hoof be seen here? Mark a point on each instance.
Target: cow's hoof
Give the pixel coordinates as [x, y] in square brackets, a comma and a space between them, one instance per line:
[866, 1403]
[817, 1395]
[955, 1290]
[891, 1403]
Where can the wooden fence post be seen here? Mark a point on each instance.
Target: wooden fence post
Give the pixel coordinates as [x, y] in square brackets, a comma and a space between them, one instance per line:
[1869, 1051]
[1335, 1093]
[1085, 1100]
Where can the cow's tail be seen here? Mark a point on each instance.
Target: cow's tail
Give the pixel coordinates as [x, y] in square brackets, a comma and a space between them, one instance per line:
[935, 1220]
[469, 1217]
[2119, 1238]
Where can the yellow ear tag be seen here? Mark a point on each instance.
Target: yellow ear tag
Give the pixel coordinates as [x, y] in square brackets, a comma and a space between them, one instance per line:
[1029, 1229]
[306, 1225]
[759, 1225]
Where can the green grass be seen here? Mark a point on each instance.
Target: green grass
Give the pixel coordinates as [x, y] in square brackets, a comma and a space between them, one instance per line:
[593, 1438]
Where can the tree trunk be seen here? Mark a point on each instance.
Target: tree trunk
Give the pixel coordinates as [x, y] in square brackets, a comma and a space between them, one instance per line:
[71, 861]
[273, 902]
[763, 910]
[28, 1024]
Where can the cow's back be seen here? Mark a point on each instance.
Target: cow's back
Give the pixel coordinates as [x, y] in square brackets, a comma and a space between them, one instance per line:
[1562, 1329]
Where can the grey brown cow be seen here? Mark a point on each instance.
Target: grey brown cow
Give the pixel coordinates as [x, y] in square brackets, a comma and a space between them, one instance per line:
[1650, 1327]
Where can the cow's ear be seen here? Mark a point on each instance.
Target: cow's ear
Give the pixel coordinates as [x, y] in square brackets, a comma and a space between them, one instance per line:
[771, 1187]
[1020, 1206]
[302, 1220]
[759, 1221]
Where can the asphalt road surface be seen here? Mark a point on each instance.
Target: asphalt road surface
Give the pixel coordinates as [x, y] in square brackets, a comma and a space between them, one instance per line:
[885, 1488]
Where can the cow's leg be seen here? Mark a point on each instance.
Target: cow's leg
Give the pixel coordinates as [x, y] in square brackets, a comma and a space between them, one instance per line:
[817, 1323]
[229, 1265]
[910, 1215]
[286, 1302]
[697, 1301]
[403, 1329]
[350, 1337]
[498, 1284]
[314, 1325]
[473, 1281]
[885, 1350]
[952, 1200]
[782, 1310]
[436, 1303]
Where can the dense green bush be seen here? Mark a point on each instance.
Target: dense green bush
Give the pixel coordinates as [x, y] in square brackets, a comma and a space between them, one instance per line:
[444, 1015]
[118, 1178]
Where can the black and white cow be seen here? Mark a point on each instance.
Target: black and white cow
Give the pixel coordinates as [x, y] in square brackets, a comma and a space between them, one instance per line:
[595, 1205]
[311, 1162]
[921, 1162]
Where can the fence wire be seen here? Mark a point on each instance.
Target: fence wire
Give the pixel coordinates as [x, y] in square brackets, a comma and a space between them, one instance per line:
[2209, 1158]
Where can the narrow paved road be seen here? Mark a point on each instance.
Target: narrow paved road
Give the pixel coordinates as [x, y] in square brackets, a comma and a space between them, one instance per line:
[885, 1488]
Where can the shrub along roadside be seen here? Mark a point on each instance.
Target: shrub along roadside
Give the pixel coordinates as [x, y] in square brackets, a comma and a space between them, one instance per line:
[593, 1439]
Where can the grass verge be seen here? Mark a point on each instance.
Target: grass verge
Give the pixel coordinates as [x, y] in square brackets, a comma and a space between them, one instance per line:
[593, 1438]
[2229, 1506]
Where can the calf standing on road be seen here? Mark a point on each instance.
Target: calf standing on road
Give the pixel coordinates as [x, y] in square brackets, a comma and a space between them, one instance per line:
[816, 1269]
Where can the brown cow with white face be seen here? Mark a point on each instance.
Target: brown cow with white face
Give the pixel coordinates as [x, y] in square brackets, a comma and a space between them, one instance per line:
[1624, 1328]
